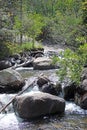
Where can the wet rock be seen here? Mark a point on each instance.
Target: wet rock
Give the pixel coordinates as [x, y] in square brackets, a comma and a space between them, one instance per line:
[77, 99]
[49, 88]
[42, 79]
[16, 56]
[37, 53]
[69, 91]
[81, 94]
[83, 102]
[16, 59]
[36, 104]
[83, 86]
[80, 90]
[4, 64]
[43, 63]
[10, 81]
[84, 74]
[58, 87]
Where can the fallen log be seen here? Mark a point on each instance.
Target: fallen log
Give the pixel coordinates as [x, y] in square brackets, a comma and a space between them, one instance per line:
[21, 92]
[26, 63]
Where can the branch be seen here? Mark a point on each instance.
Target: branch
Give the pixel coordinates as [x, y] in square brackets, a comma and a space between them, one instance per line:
[3, 108]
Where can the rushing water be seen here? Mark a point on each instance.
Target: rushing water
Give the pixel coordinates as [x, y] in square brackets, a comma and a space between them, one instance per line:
[74, 117]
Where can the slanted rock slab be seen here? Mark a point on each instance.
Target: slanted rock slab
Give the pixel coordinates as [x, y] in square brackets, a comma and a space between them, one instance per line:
[36, 104]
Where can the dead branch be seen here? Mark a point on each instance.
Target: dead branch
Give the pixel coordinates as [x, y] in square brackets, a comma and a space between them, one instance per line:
[21, 92]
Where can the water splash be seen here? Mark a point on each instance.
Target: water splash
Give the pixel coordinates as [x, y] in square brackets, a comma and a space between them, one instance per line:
[72, 108]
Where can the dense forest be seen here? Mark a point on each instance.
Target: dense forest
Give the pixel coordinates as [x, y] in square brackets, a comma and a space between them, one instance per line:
[61, 22]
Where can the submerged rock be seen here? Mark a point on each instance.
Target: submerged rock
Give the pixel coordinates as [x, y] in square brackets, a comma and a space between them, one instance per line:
[36, 104]
[10, 81]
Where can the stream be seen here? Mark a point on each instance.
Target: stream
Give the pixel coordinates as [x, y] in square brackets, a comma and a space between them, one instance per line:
[74, 117]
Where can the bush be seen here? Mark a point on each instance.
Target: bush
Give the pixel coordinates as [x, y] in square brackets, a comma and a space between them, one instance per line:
[28, 46]
[72, 63]
[8, 49]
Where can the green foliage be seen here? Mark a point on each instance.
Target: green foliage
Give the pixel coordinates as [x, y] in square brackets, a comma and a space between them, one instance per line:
[18, 24]
[35, 25]
[72, 63]
[8, 49]
[61, 28]
[28, 46]
[84, 9]
[54, 59]
[58, 21]
[82, 52]
[30, 25]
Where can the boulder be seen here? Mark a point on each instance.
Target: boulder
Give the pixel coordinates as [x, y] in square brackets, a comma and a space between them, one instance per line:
[43, 63]
[4, 64]
[77, 99]
[83, 102]
[83, 85]
[37, 54]
[42, 79]
[16, 56]
[58, 87]
[36, 104]
[49, 88]
[10, 81]
[81, 93]
[69, 91]
[84, 74]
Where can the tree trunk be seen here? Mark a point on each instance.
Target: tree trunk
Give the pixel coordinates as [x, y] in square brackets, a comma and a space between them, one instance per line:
[21, 18]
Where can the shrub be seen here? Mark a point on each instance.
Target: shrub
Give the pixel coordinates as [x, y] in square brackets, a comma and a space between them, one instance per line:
[72, 63]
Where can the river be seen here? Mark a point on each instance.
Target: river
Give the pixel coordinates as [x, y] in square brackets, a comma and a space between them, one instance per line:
[74, 117]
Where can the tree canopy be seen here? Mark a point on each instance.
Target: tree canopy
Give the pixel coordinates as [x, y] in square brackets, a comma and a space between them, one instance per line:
[55, 21]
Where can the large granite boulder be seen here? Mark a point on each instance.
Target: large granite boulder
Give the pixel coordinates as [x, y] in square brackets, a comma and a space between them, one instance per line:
[43, 63]
[36, 104]
[10, 81]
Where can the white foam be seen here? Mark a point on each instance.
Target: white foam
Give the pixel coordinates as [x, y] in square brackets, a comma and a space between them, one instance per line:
[72, 108]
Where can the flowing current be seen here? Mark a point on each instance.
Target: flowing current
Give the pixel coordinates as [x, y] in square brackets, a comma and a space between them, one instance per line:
[74, 117]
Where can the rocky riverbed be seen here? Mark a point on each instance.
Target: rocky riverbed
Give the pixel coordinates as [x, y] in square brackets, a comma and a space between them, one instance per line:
[72, 116]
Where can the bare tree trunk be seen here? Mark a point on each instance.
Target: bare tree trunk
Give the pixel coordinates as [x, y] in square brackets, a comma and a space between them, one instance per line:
[21, 18]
